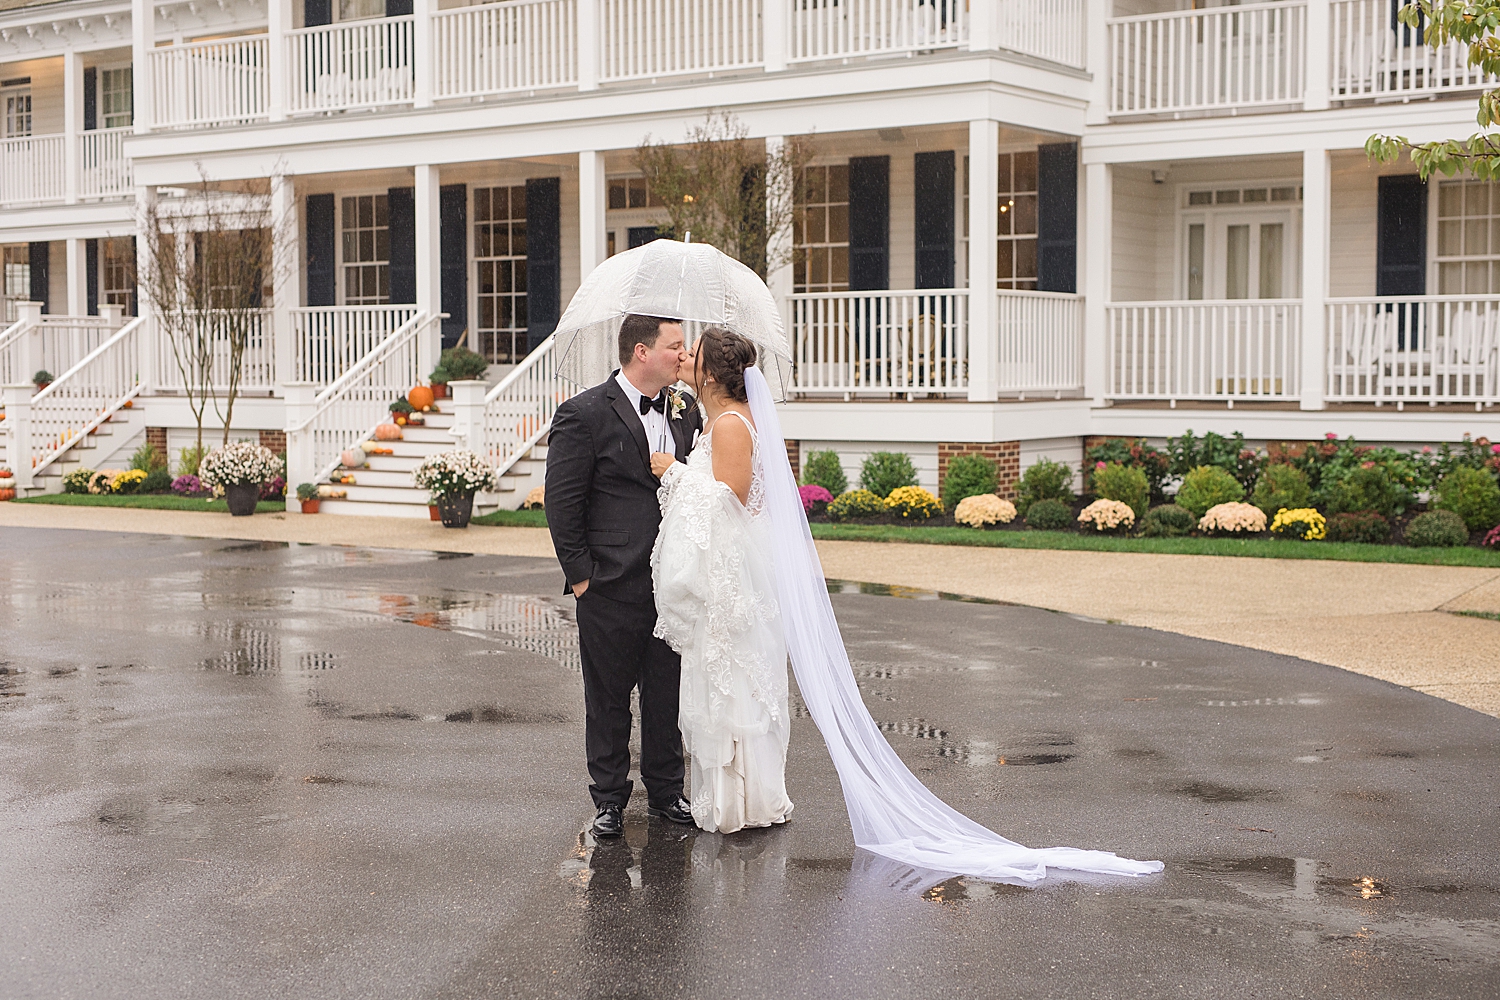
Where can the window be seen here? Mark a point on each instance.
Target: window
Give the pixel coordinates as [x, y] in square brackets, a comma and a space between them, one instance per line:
[116, 98]
[1468, 238]
[500, 256]
[117, 266]
[1015, 252]
[359, 10]
[15, 105]
[367, 250]
[631, 192]
[820, 230]
[17, 261]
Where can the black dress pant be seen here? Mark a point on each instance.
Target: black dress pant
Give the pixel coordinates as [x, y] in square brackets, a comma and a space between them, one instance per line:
[620, 653]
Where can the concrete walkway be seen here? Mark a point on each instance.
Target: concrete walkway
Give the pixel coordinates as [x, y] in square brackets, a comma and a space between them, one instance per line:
[1384, 620]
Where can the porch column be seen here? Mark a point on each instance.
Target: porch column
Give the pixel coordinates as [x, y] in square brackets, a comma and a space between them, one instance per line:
[588, 44]
[1316, 184]
[142, 41]
[592, 200]
[982, 27]
[429, 262]
[1096, 53]
[72, 128]
[286, 273]
[1315, 77]
[1098, 214]
[777, 26]
[984, 214]
[78, 279]
[422, 56]
[779, 239]
[278, 22]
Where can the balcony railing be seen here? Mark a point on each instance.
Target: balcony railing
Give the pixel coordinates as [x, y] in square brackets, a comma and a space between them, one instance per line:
[104, 171]
[502, 48]
[327, 340]
[33, 169]
[881, 342]
[830, 29]
[356, 64]
[1049, 29]
[1419, 349]
[643, 39]
[225, 81]
[1204, 60]
[1373, 56]
[1233, 349]
[257, 359]
[1040, 348]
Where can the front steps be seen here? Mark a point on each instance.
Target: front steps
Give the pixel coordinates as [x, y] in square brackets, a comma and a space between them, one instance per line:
[109, 446]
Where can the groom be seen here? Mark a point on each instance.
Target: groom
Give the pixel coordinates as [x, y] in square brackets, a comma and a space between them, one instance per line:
[603, 515]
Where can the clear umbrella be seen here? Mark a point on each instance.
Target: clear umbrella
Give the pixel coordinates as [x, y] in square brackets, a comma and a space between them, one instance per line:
[692, 282]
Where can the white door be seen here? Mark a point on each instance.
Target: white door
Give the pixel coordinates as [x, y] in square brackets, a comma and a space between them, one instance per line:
[15, 112]
[1240, 255]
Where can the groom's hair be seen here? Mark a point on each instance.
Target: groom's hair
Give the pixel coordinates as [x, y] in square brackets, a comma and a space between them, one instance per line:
[637, 329]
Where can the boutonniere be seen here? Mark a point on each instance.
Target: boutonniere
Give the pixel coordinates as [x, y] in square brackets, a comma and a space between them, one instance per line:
[677, 404]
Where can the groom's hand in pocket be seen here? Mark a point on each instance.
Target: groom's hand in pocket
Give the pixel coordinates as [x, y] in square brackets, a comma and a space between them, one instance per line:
[579, 588]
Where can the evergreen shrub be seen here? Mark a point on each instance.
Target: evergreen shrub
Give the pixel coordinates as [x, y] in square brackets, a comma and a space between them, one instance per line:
[1168, 521]
[885, 471]
[1208, 486]
[1437, 529]
[968, 476]
[822, 468]
[1472, 494]
[1050, 514]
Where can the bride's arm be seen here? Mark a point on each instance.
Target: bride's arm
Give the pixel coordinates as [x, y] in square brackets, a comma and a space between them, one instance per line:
[733, 452]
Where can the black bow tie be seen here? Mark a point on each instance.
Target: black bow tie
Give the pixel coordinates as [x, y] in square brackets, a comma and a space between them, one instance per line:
[659, 404]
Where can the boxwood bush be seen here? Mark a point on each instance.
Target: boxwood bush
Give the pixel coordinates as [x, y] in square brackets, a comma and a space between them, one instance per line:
[823, 469]
[885, 471]
[1281, 485]
[1208, 486]
[1368, 487]
[968, 476]
[1472, 494]
[1168, 521]
[1359, 526]
[1130, 486]
[1046, 480]
[1437, 529]
[1050, 514]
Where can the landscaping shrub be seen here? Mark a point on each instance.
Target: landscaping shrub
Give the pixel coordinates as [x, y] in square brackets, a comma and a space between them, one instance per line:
[126, 482]
[275, 489]
[1208, 486]
[188, 460]
[460, 363]
[1134, 454]
[823, 469]
[815, 499]
[1228, 453]
[147, 458]
[1046, 480]
[77, 481]
[1168, 521]
[984, 509]
[1050, 514]
[1281, 486]
[188, 486]
[885, 471]
[1302, 523]
[1359, 526]
[968, 476]
[1108, 515]
[1233, 518]
[158, 480]
[855, 504]
[1492, 540]
[1437, 529]
[1472, 494]
[1113, 481]
[1368, 487]
[912, 503]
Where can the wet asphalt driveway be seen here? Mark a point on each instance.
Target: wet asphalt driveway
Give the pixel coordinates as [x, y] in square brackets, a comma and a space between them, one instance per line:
[253, 770]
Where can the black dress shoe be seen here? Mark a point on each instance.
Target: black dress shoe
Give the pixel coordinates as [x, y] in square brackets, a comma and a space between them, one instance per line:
[608, 822]
[676, 810]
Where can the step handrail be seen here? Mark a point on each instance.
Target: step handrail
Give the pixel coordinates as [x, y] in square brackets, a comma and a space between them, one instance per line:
[8, 337]
[65, 381]
[340, 386]
[543, 351]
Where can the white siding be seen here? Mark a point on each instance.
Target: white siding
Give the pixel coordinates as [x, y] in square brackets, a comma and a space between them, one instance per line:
[852, 455]
[1068, 450]
[1143, 244]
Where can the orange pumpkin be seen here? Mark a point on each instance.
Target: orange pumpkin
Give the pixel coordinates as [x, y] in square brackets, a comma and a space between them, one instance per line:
[420, 397]
[7, 494]
[387, 432]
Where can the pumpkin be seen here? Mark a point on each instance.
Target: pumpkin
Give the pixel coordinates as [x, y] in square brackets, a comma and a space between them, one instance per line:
[387, 432]
[420, 397]
[7, 494]
[354, 458]
[400, 420]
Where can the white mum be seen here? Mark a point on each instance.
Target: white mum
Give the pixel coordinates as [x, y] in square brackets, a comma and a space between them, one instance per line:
[1233, 518]
[450, 472]
[243, 463]
[1106, 515]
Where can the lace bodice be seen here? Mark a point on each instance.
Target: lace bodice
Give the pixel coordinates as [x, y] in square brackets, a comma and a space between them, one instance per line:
[703, 458]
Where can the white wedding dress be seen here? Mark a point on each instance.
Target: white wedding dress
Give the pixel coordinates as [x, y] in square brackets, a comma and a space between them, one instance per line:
[716, 606]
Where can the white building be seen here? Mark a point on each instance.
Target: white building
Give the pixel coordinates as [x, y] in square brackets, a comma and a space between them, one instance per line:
[1169, 213]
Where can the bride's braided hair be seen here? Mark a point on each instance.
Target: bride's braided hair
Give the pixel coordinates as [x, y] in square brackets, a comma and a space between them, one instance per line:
[725, 355]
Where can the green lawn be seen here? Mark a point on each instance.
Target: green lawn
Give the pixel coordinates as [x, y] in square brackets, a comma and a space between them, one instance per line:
[513, 519]
[150, 501]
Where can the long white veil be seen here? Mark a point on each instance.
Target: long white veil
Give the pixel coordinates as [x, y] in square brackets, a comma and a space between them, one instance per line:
[892, 813]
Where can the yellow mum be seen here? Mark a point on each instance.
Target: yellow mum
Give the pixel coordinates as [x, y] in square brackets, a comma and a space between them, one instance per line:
[912, 503]
[1300, 522]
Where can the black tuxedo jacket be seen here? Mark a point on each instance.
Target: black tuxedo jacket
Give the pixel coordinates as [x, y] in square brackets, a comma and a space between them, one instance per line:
[601, 496]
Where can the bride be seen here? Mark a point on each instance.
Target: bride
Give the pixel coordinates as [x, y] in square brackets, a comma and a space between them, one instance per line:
[739, 591]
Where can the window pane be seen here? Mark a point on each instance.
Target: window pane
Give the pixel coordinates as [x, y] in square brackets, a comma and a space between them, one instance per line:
[1450, 238]
[1476, 237]
[1476, 199]
[1237, 262]
[838, 223]
[1025, 167]
[1025, 258]
[1005, 260]
[1025, 212]
[1195, 261]
[838, 183]
[1271, 260]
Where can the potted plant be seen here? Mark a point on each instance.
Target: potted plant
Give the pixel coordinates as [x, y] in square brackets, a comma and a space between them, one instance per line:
[461, 364]
[239, 470]
[439, 379]
[453, 477]
[401, 411]
[307, 494]
[41, 379]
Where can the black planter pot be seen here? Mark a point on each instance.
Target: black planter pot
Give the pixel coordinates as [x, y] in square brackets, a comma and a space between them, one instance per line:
[242, 498]
[455, 509]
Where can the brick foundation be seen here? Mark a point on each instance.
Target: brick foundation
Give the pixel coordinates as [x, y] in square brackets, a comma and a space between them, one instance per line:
[794, 455]
[274, 440]
[156, 437]
[1005, 454]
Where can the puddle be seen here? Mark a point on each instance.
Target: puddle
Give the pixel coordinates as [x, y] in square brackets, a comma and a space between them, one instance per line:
[1210, 792]
[1253, 702]
[1363, 887]
[494, 715]
[907, 593]
[1139, 753]
[1027, 760]
[1397, 754]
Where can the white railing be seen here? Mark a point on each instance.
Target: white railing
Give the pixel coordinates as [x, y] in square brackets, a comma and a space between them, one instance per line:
[85, 396]
[881, 341]
[13, 361]
[220, 82]
[351, 408]
[1414, 349]
[33, 169]
[329, 339]
[642, 39]
[1216, 59]
[833, 29]
[60, 342]
[499, 48]
[104, 172]
[1227, 349]
[1041, 342]
[257, 361]
[356, 64]
[1048, 29]
[1372, 56]
[518, 411]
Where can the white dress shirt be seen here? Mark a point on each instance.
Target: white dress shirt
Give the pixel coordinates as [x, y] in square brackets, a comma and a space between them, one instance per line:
[658, 436]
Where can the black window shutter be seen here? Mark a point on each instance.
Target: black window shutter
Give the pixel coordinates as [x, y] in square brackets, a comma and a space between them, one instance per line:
[91, 275]
[453, 211]
[90, 98]
[543, 258]
[639, 236]
[322, 268]
[934, 222]
[1401, 236]
[1057, 217]
[403, 216]
[316, 12]
[41, 275]
[869, 223]
[396, 8]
